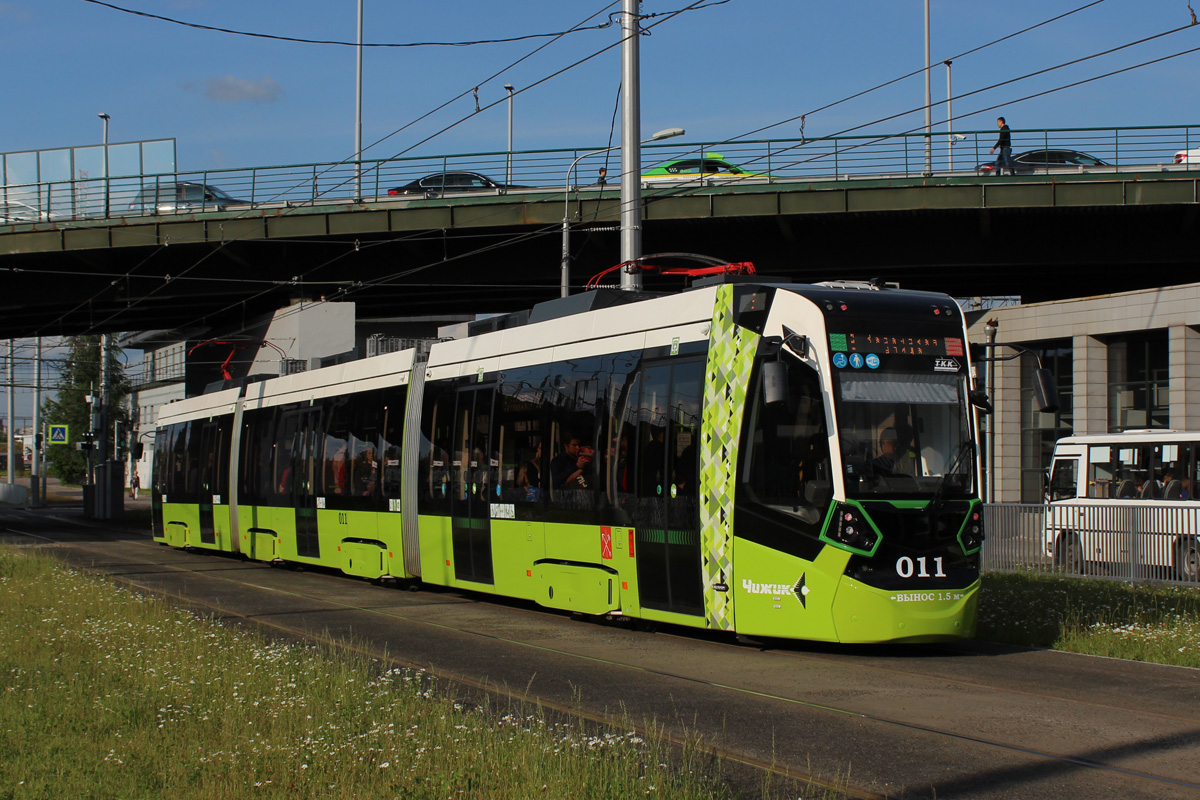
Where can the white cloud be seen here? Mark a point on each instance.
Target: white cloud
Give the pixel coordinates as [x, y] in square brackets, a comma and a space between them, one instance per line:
[230, 89]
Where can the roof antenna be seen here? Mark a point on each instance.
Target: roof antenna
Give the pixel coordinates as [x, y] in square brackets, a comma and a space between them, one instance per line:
[878, 283]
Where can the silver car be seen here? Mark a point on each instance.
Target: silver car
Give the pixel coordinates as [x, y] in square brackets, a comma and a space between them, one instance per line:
[12, 211]
[169, 198]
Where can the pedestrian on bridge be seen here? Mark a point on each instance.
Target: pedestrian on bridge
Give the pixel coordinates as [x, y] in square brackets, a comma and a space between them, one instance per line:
[1004, 143]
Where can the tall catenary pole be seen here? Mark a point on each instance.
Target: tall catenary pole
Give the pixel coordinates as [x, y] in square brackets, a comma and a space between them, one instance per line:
[631, 144]
[358, 108]
[8, 427]
[36, 467]
[928, 102]
[103, 487]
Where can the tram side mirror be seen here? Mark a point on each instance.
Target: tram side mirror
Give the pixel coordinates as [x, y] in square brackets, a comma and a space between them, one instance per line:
[774, 382]
[1045, 393]
[980, 400]
[795, 342]
[818, 493]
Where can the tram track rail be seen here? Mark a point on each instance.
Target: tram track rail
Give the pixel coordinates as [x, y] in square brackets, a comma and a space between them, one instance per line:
[854, 667]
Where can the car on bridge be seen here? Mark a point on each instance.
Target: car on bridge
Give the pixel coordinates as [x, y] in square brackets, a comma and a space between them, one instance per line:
[441, 183]
[1046, 161]
[171, 198]
[12, 211]
[1188, 156]
[705, 170]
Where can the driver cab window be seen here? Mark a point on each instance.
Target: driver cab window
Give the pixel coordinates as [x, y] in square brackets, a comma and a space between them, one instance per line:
[787, 466]
[1063, 480]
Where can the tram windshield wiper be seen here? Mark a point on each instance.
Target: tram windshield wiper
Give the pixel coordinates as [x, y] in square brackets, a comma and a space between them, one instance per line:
[967, 446]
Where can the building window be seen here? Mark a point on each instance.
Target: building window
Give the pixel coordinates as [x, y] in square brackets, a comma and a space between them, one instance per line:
[1040, 430]
[1138, 381]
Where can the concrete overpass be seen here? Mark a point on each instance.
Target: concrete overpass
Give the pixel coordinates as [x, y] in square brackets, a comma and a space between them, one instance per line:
[1038, 236]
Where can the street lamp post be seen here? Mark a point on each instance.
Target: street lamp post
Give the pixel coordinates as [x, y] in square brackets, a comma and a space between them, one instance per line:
[928, 102]
[949, 120]
[508, 171]
[104, 140]
[668, 133]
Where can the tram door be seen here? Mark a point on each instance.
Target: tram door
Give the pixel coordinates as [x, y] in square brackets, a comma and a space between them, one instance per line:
[300, 433]
[475, 473]
[667, 513]
[211, 436]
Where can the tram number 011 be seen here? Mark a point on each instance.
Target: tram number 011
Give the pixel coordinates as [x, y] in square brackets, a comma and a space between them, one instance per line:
[906, 567]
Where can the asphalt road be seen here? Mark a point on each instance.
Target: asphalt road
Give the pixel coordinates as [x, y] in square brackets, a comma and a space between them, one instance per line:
[963, 721]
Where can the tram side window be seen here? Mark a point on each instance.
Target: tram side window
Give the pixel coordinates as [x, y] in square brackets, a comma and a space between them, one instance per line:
[258, 449]
[620, 433]
[348, 450]
[364, 444]
[336, 448]
[174, 456]
[182, 468]
[521, 437]
[433, 471]
[285, 450]
[787, 466]
[575, 399]
[162, 459]
[392, 438]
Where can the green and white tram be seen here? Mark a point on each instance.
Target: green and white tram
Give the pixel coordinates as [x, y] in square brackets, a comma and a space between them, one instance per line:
[766, 459]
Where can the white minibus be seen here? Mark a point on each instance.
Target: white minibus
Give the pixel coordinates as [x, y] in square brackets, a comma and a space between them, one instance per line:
[1125, 504]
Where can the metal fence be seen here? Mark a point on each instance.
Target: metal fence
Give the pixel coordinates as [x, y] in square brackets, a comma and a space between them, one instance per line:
[122, 193]
[1129, 541]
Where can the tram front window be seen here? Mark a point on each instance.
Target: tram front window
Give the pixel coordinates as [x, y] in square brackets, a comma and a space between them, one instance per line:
[905, 434]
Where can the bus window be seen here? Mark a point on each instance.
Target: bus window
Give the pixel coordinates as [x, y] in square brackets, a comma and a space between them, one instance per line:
[1100, 472]
[1171, 461]
[1064, 479]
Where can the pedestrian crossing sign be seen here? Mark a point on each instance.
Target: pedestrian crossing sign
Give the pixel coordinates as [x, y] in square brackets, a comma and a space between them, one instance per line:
[59, 434]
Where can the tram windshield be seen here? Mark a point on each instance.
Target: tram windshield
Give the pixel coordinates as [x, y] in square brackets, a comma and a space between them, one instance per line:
[904, 433]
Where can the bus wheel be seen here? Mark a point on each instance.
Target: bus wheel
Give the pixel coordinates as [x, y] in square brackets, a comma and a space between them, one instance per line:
[1068, 555]
[1187, 560]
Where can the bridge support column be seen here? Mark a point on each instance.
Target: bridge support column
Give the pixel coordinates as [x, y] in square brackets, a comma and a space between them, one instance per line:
[1184, 367]
[1005, 462]
[1090, 374]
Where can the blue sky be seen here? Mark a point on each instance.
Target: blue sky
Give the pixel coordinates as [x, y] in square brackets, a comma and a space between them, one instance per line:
[720, 72]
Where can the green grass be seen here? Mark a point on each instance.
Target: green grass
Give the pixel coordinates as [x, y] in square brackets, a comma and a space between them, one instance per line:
[111, 693]
[1160, 624]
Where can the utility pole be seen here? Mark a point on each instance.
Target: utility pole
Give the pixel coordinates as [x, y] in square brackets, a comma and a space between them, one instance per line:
[358, 110]
[631, 143]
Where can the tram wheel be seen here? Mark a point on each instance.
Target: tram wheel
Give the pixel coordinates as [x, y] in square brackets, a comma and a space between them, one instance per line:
[1068, 554]
[1187, 560]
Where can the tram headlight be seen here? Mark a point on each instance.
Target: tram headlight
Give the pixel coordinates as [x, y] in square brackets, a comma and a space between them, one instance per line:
[971, 536]
[851, 531]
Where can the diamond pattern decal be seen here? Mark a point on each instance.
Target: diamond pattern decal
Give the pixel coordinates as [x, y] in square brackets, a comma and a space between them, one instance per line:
[730, 359]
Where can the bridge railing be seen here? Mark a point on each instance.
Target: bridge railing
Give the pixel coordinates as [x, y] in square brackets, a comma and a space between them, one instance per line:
[829, 159]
